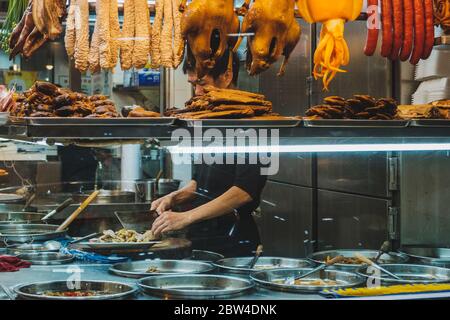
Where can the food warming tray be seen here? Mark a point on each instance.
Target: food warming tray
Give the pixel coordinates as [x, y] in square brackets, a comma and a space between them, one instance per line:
[332, 123]
[111, 290]
[428, 255]
[430, 123]
[274, 279]
[242, 123]
[410, 273]
[138, 269]
[195, 286]
[60, 121]
[392, 257]
[23, 233]
[239, 265]
[46, 258]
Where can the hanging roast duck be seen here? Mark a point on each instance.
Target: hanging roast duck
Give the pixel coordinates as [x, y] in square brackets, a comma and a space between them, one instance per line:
[205, 26]
[332, 51]
[276, 33]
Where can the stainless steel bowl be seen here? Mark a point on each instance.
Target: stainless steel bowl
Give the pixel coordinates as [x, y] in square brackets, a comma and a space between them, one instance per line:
[392, 257]
[195, 286]
[439, 257]
[28, 233]
[276, 279]
[111, 290]
[139, 269]
[410, 274]
[240, 265]
[207, 256]
[46, 258]
[166, 186]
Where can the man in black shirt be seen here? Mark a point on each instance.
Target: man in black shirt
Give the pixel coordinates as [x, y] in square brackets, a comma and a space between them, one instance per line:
[222, 196]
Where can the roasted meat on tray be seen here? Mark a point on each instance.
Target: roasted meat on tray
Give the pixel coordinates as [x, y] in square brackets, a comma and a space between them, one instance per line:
[359, 107]
[44, 99]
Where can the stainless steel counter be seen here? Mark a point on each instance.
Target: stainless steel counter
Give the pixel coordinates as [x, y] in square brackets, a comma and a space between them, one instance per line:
[100, 272]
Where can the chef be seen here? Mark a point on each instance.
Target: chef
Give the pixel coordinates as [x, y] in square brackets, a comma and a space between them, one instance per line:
[222, 197]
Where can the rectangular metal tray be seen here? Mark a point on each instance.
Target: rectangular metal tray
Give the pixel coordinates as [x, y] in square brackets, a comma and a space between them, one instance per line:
[241, 123]
[430, 123]
[346, 123]
[86, 122]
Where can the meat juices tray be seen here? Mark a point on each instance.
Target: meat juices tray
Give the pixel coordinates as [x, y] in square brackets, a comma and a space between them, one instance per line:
[99, 122]
[430, 123]
[242, 123]
[332, 123]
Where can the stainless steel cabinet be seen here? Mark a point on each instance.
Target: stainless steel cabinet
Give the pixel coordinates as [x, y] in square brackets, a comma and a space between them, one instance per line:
[285, 220]
[295, 168]
[351, 221]
[425, 198]
[361, 173]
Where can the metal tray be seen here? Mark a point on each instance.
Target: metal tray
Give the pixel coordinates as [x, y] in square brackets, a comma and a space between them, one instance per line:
[242, 123]
[239, 265]
[430, 123]
[20, 217]
[411, 273]
[392, 257]
[35, 291]
[439, 257]
[119, 245]
[46, 258]
[332, 123]
[274, 279]
[27, 233]
[139, 269]
[17, 249]
[207, 256]
[99, 122]
[195, 286]
[11, 198]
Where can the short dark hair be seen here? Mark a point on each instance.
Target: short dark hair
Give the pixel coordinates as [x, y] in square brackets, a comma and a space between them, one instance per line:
[220, 68]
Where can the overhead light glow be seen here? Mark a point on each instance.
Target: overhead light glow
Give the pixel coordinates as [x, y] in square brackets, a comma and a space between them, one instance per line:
[310, 148]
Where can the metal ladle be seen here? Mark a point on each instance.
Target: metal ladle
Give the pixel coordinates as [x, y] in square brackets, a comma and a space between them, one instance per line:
[258, 253]
[385, 247]
[373, 264]
[337, 259]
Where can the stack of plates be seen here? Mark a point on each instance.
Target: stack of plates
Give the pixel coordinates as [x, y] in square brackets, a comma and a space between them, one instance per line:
[432, 90]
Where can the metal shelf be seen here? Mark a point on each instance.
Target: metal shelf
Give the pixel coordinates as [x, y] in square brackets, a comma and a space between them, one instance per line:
[299, 135]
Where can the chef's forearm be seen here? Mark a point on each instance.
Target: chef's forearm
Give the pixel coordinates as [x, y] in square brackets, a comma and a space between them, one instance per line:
[186, 193]
[232, 199]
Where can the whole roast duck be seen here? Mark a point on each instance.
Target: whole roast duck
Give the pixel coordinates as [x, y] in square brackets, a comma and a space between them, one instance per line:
[276, 33]
[205, 25]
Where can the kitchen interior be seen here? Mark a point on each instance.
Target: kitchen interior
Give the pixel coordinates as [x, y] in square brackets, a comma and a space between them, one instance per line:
[317, 202]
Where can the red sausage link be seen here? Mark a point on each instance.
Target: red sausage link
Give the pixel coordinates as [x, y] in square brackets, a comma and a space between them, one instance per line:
[398, 28]
[373, 26]
[429, 29]
[408, 15]
[419, 32]
[386, 16]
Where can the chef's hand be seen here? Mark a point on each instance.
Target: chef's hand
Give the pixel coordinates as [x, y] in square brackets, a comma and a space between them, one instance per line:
[163, 204]
[171, 221]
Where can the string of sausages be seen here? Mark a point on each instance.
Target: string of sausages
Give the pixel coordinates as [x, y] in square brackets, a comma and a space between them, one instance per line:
[407, 29]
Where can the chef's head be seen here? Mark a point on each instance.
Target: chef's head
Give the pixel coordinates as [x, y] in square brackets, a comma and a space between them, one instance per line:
[220, 76]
